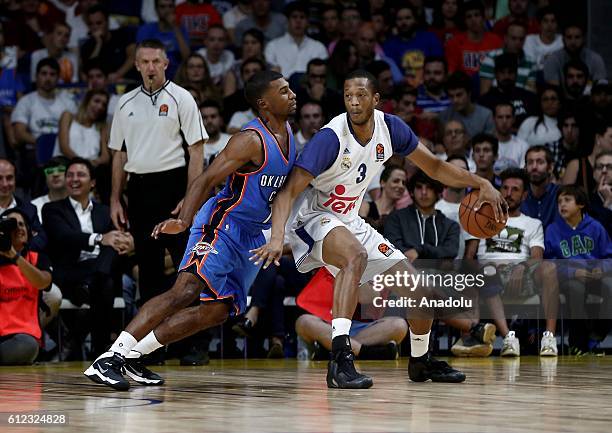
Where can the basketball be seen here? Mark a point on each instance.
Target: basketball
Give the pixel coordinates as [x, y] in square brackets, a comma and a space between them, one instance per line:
[481, 223]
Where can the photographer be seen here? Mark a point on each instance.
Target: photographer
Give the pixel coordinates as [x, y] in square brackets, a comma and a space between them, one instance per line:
[23, 273]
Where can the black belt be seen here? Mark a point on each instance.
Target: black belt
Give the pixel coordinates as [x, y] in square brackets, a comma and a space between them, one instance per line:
[158, 175]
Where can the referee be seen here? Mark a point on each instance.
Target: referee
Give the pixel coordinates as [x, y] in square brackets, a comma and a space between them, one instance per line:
[151, 125]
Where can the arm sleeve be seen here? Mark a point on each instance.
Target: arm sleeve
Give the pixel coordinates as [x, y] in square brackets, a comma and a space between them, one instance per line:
[21, 113]
[551, 71]
[320, 152]
[537, 240]
[117, 137]
[191, 120]
[269, 53]
[403, 140]
[599, 68]
[60, 232]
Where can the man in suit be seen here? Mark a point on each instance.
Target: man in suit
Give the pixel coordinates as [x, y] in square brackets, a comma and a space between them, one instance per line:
[83, 247]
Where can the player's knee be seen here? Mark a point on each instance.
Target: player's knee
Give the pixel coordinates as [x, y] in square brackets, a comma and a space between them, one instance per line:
[303, 325]
[185, 292]
[358, 260]
[399, 329]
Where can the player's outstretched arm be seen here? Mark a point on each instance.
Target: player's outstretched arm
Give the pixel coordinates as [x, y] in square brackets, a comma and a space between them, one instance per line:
[456, 177]
[242, 149]
[281, 209]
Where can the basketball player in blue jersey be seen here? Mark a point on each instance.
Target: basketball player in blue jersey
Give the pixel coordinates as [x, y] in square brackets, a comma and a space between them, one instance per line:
[339, 162]
[216, 267]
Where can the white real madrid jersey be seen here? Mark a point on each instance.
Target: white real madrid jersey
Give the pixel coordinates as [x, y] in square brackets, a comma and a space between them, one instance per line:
[153, 126]
[343, 168]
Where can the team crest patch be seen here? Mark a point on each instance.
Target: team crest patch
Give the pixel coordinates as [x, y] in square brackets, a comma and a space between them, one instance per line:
[385, 249]
[202, 248]
[325, 220]
[346, 163]
[380, 152]
[163, 110]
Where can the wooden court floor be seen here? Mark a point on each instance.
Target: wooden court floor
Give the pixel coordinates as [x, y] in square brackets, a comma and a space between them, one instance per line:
[506, 395]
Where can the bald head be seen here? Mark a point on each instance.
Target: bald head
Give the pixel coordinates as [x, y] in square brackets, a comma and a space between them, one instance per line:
[7, 182]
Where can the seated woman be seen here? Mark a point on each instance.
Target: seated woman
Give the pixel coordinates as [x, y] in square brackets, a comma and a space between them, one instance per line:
[23, 274]
[86, 134]
[393, 187]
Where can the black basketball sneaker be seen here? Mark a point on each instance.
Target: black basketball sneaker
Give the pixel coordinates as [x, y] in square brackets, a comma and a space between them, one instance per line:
[135, 368]
[108, 370]
[426, 367]
[341, 372]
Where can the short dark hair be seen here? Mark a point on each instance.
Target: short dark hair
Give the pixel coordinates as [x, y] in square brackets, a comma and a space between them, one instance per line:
[602, 127]
[377, 67]
[471, 6]
[257, 85]
[401, 91]
[386, 173]
[506, 61]
[90, 65]
[421, 177]
[362, 73]
[575, 24]
[576, 64]
[85, 162]
[257, 34]
[504, 103]
[210, 103]
[94, 10]
[541, 148]
[296, 6]
[453, 157]
[50, 62]
[515, 173]
[253, 60]
[309, 102]
[579, 194]
[542, 12]
[437, 59]
[486, 138]
[56, 161]
[151, 43]
[315, 62]
[564, 115]
[459, 80]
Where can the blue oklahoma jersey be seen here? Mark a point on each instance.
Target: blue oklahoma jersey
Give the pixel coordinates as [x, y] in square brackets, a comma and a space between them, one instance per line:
[247, 197]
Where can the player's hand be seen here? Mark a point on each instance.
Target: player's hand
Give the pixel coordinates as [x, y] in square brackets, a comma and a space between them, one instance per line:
[490, 195]
[411, 254]
[118, 215]
[177, 209]
[171, 226]
[268, 253]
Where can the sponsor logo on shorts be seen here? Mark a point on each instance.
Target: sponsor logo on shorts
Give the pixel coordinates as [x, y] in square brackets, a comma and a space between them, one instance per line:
[339, 203]
[163, 110]
[380, 152]
[202, 248]
[385, 249]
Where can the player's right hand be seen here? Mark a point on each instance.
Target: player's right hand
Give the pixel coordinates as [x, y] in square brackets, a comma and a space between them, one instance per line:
[268, 253]
[171, 226]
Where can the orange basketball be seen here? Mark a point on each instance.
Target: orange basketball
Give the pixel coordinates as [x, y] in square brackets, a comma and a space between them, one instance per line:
[480, 224]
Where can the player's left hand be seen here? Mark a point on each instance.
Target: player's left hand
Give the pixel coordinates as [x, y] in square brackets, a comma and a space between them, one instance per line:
[171, 226]
[268, 253]
[488, 194]
[177, 209]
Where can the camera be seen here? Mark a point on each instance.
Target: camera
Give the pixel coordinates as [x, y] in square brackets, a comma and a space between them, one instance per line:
[7, 227]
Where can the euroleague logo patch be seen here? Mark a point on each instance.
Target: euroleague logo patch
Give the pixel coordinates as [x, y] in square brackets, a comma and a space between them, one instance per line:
[163, 110]
[385, 249]
[202, 248]
[380, 152]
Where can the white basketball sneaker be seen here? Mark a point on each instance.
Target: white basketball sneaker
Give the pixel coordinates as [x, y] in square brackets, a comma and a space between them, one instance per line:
[548, 344]
[511, 346]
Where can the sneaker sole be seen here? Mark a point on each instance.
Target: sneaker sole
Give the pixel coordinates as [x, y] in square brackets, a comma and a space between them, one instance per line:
[510, 355]
[95, 376]
[479, 351]
[488, 336]
[142, 380]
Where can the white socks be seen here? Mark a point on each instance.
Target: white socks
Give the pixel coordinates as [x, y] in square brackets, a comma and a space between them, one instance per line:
[123, 344]
[145, 346]
[340, 327]
[419, 344]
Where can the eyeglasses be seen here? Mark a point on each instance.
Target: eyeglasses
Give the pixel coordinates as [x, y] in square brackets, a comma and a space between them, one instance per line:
[603, 167]
[59, 169]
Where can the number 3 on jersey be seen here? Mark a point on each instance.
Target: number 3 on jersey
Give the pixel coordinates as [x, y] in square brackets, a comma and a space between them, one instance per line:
[362, 173]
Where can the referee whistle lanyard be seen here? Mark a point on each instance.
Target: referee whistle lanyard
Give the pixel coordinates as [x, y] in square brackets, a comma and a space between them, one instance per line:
[154, 95]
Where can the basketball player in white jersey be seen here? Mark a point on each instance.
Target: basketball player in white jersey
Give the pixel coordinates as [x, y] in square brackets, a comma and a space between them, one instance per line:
[339, 163]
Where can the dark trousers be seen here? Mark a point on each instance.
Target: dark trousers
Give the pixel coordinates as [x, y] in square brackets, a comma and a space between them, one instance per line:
[90, 282]
[18, 349]
[151, 198]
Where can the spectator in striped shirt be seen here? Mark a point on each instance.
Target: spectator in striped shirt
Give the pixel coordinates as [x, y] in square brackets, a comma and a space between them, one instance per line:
[431, 97]
[513, 44]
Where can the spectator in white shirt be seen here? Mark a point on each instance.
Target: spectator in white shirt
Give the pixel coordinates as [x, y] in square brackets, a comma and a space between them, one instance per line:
[232, 17]
[543, 129]
[55, 177]
[511, 147]
[292, 51]
[58, 49]
[218, 59]
[539, 47]
[213, 122]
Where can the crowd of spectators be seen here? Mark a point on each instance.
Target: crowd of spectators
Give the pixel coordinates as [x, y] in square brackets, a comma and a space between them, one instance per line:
[507, 89]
